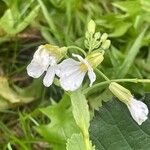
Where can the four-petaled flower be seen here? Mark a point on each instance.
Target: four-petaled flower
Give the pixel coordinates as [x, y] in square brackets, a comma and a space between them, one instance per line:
[138, 110]
[72, 72]
[43, 60]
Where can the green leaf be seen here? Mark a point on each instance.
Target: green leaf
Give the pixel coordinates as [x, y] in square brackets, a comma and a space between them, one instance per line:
[120, 29]
[145, 5]
[115, 56]
[80, 110]
[62, 124]
[6, 92]
[76, 142]
[96, 100]
[7, 21]
[9, 94]
[129, 59]
[13, 20]
[27, 20]
[10, 97]
[4, 104]
[82, 117]
[114, 129]
[128, 6]
[34, 90]
[46, 15]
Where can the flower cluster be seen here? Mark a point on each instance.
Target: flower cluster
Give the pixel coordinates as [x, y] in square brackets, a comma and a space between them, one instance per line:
[95, 40]
[71, 72]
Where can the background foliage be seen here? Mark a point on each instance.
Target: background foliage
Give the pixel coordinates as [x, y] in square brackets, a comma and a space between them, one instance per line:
[29, 123]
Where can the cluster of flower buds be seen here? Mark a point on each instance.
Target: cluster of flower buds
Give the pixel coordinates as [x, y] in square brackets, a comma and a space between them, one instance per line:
[138, 109]
[95, 40]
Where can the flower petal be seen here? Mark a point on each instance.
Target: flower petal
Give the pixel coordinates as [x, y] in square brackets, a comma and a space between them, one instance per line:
[91, 76]
[71, 75]
[42, 55]
[91, 73]
[72, 81]
[35, 69]
[37, 53]
[49, 77]
[79, 57]
[138, 110]
[40, 62]
[66, 67]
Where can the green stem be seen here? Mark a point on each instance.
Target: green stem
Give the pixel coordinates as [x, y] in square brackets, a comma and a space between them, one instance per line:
[115, 80]
[87, 143]
[34, 121]
[102, 74]
[78, 48]
[86, 138]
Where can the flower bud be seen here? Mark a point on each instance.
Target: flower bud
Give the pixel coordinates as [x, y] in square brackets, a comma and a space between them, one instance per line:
[106, 44]
[120, 92]
[91, 27]
[138, 110]
[97, 35]
[95, 58]
[104, 37]
[87, 35]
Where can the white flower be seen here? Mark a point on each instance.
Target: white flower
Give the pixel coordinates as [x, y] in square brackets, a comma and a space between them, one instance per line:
[72, 73]
[42, 61]
[138, 110]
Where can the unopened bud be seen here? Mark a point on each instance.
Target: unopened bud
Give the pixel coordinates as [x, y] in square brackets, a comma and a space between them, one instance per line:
[106, 44]
[95, 58]
[120, 92]
[91, 27]
[97, 35]
[104, 37]
[87, 35]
